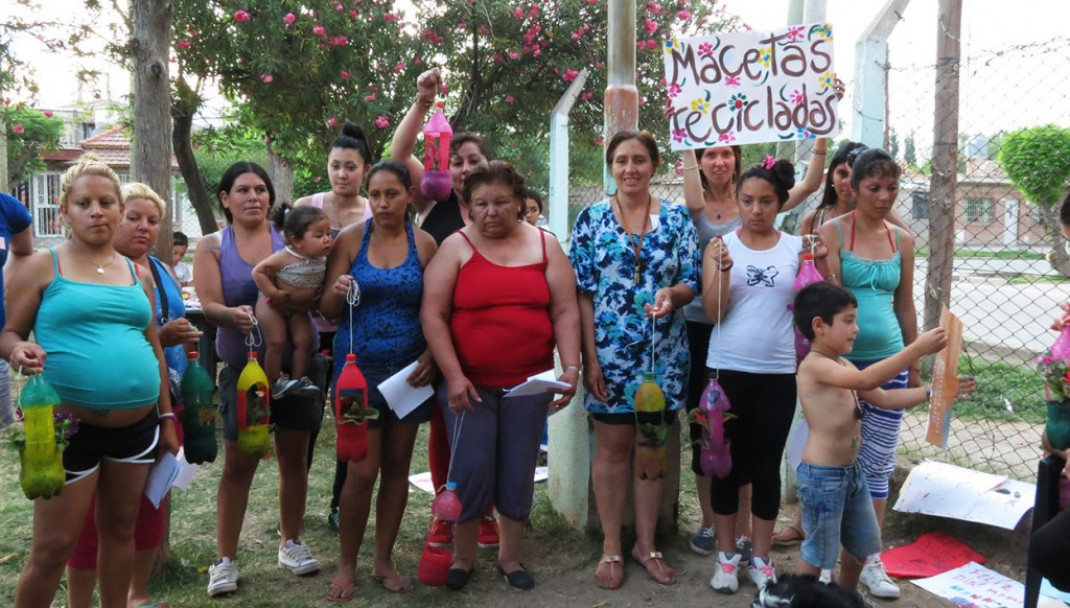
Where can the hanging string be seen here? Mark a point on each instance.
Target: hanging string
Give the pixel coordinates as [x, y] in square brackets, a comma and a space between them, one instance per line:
[653, 340]
[353, 300]
[458, 424]
[717, 372]
[254, 338]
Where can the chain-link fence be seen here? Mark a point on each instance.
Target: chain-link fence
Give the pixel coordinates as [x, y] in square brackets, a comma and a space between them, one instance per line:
[1004, 288]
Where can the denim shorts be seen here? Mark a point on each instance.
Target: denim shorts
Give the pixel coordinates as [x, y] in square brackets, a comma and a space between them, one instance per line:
[836, 509]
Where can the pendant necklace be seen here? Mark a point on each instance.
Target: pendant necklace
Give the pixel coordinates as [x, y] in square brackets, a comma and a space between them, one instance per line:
[637, 244]
[101, 267]
[859, 413]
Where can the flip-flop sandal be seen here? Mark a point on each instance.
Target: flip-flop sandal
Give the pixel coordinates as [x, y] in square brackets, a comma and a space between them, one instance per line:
[394, 584]
[341, 592]
[155, 604]
[612, 582]
[654, 564]
[788, 536]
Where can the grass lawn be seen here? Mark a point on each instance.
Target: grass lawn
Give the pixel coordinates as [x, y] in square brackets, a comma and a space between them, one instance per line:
[998, 384]
[552, 544]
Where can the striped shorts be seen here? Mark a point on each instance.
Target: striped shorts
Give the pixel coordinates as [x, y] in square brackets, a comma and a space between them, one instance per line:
[880, 438]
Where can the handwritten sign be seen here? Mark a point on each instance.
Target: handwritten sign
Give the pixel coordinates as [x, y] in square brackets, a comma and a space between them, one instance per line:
[751, 87]
[945, 380]
[975, 586]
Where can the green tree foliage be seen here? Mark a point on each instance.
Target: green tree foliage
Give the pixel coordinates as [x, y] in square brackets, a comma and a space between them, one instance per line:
[29, 132]
[909, 153]
[1037, 161]
[299, 69]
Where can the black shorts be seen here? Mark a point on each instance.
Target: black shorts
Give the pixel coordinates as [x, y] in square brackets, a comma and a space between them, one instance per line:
[629, 418]
[135, 444]
[294, 413]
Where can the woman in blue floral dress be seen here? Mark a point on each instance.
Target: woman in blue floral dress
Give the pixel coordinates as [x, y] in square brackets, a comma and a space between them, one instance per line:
[635, 258]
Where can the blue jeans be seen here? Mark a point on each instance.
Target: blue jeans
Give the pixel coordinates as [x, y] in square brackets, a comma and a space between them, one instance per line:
[836, 508]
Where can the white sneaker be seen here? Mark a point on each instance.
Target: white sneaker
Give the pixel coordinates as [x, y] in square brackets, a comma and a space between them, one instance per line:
[307, 388]
[876, 580]
[295, 556]
[283, 386]
[826, 576]
[222, 577]
[726, 574]
[761, 572]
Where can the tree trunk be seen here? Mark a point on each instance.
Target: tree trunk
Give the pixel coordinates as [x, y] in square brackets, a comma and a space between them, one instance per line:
[945, 163]
[150, 160]
[282, 177]
[1053, 233]
[184, 106]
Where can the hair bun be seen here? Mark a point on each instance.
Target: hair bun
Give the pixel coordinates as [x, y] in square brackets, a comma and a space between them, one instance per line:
[784, 171]
[354, 131]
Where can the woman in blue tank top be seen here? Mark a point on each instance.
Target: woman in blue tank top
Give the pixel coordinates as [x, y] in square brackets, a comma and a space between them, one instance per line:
[382, 259]
[874, 259]
[96, 343]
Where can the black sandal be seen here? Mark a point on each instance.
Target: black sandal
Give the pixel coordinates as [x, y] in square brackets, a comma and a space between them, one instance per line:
[457, 578]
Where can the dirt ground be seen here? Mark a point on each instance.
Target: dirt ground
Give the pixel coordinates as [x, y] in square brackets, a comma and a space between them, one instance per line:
[571, 584]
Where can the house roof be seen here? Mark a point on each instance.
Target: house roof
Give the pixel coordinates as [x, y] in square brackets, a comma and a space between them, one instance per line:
[112, 146]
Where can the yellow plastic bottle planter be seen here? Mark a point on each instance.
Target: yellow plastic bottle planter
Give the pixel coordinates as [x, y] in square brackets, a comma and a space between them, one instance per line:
[254, 410]
[41, 474]
[650, 435]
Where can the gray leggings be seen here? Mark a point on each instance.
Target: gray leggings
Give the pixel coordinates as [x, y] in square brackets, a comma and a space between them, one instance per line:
[495, 450]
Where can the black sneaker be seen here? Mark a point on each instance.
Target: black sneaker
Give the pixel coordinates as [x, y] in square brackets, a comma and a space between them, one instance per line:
[333, 520]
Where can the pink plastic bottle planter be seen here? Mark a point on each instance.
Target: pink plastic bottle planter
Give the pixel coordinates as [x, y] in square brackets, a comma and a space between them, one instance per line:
[808, 275]
[447, 505]
[436, 184]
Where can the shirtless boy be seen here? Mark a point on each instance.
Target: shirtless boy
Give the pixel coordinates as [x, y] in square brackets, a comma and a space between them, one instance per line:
[833, 496]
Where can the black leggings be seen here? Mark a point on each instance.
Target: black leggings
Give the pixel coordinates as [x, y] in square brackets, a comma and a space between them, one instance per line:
[698, 342]
[1047, 550]
[763, 405]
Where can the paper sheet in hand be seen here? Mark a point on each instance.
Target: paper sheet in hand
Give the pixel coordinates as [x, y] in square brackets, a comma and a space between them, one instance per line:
[976, 586]
[188, 472]
[400, 395]
[935, 488]
[422, 481]
[162, 475]
[537, 385]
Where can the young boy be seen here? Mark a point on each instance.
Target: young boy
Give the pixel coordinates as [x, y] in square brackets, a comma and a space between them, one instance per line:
[835, 502]
[179, 245]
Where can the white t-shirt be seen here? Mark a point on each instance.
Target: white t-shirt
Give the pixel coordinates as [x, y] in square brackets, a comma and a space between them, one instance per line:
[183, 272]
[756, 333]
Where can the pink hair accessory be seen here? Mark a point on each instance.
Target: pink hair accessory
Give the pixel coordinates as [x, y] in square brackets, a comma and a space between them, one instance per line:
[769, 162]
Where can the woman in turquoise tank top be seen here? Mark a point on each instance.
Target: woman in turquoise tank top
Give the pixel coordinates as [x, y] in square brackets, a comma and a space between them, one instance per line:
[96, 343]
[874, 259]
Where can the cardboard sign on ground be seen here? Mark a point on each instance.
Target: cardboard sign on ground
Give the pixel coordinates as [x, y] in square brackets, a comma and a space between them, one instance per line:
[933, 553]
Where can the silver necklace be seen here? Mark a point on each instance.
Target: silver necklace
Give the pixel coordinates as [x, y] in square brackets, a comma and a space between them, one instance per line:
[101, 267]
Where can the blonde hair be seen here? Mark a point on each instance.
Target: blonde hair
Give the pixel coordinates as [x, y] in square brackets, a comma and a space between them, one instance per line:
[138, 190]
[88, 164]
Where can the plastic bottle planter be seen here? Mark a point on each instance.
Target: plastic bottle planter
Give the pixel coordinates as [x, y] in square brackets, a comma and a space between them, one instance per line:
[437, 183]
[808, 275]
[351, 412]
[1058, 424]
[254, 410]
[198, 419]
[715, 457]
[41, 474]
[447, 505]
[650, 436]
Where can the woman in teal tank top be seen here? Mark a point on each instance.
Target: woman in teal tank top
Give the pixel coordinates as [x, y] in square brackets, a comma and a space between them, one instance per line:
[874, 259]
[96, 343]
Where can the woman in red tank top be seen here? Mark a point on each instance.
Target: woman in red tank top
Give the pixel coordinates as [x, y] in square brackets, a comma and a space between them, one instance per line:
[498, 296]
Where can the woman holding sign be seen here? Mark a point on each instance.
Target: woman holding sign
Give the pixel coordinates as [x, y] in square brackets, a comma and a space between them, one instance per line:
[874, 259]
